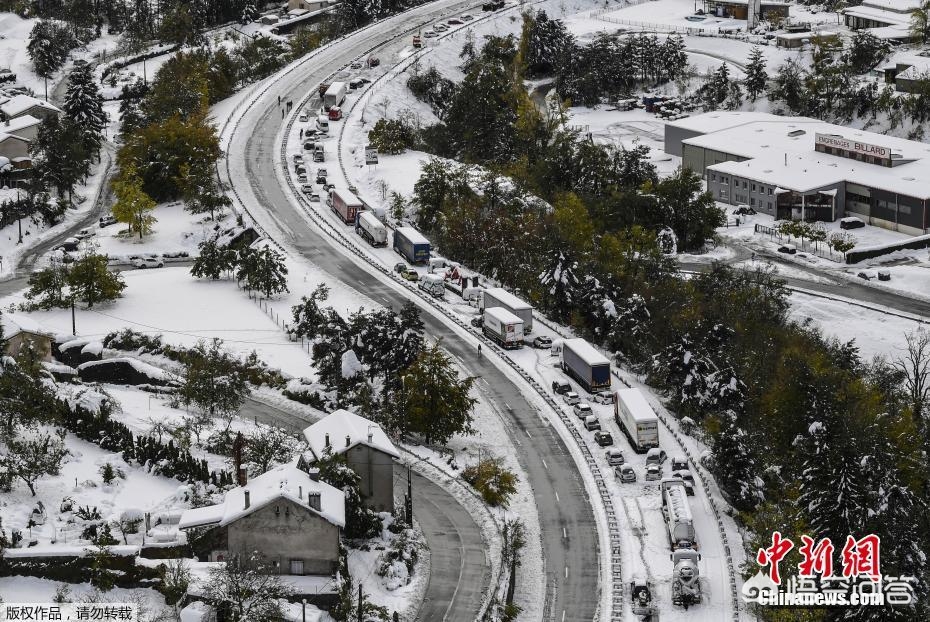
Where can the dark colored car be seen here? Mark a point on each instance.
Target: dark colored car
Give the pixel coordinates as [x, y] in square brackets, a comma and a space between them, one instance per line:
[561, 387]
[604, 439]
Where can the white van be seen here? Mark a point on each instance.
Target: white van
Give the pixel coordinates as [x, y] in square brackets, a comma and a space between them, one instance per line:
[322, 124]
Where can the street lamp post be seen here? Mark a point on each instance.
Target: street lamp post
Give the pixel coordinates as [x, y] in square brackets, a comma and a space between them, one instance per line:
[69, 293]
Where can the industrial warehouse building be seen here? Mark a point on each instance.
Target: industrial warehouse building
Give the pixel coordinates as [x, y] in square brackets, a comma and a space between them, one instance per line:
[801, 168]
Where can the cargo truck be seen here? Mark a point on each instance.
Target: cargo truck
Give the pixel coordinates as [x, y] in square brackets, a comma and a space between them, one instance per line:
[411, 245]
[502, 326]
[636, 418]
[677, 513]
[499, 297]
[345, 204]
[371, 229]
[335, 95]
[585, 364]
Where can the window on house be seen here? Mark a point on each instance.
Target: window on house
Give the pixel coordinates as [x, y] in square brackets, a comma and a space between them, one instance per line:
[770, 205]
[752, 201]
[713, 177]
[770, 192]
[745, 185]
[753, 187]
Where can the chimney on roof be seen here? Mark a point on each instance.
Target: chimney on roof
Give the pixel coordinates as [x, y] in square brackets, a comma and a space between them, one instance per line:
[371, 435]
[314, 474]
[327, 439]
[313, 499]
[246, 497]
[348, 440]
[300, 492]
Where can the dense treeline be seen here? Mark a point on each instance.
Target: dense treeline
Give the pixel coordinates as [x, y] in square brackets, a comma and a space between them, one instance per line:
[806, 437]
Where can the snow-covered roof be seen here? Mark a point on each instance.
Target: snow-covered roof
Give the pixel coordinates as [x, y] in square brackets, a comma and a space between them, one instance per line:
[636, 404]
[877, 14]
[677, 500]
[142, 367]
[345, 430]
[18, 104]
[897, 6]
[892, 32]
[716, 121]
[411, 234]
[585, 351]
[507, 299]
[282, 482]
[502, 315]
[12, 126]
[14, 323]
[347, 197]
[5, 136]
[765, 145]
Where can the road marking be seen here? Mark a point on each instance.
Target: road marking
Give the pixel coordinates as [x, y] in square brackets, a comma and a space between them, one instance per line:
[528, 434]
[564, 533]
[544, 464]
[563, 615]
[566, 572]
[557, 497]
[507, 406]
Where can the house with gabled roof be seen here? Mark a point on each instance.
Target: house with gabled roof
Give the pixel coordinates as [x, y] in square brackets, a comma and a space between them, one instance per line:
[21, 105]
[20, 331]
[367, 450]
[287, 515]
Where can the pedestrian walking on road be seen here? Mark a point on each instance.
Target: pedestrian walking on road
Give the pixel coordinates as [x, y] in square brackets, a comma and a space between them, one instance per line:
[279, 100]
[479, 349]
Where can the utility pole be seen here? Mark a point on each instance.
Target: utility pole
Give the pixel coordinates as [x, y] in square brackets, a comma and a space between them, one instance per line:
[360, 603]
[409, 504]
[73, 322]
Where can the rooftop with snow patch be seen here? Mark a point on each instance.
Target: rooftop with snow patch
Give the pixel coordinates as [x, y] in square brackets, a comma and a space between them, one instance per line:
[343, 430]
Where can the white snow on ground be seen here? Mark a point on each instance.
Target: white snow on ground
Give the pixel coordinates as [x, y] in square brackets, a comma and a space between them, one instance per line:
[175, 230]
[34, 590]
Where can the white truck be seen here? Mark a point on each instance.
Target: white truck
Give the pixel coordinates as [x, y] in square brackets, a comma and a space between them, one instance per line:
[502, 326]
[433, 285]
[371, 229]
[499, 297]
[678, 521]
[686, 578]
[335, 95]
[636, 418]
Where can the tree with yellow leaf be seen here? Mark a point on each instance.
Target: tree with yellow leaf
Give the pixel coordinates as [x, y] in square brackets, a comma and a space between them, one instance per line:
[133, 206]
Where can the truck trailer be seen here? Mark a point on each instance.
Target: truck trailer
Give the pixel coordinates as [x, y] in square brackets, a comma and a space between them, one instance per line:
[345, 204]
[371, 229]
[585, 364]
[335, 95]
[677, 512]
[500, 297]
[411, 245]
[502, 326]
[636, 418]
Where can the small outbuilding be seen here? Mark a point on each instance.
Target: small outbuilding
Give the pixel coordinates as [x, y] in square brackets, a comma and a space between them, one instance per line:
[20, 332]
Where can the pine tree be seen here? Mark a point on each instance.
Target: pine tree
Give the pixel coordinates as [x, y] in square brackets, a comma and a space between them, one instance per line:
[84, 105]
[756, 77]
[249, 14]
[735, 466]
[561, 283]
[60, 155]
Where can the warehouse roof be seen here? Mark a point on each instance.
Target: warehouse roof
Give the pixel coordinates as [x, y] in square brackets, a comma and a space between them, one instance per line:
[768, 144]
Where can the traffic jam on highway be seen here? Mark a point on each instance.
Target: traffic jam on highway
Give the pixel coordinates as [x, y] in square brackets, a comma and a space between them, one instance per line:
[673, 534]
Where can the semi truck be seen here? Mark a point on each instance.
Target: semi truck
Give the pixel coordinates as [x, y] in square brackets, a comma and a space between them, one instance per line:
[371, 229]
[411, 245]
[587, 366]
[345, 204]
[686, 578]
[678, 521]
[636, 418]
[335, 95]
[503, 327]
[499, 297]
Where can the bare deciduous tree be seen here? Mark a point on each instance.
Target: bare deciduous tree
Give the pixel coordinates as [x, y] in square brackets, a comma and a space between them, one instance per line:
[915, 365]
[248, 586]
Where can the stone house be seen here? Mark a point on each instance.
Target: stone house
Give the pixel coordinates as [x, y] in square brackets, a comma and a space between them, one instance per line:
[289, 516]
[367, 449]
[19, 330]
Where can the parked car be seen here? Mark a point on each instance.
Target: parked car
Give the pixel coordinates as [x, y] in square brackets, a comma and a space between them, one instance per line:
[542, 342]
[477, 321]
[148, 262]
[356, 64]
[400, 267]
[625, 473]
[851, 222]
[604, 439]
[83, 234]
[429, 34]
[653, 472]
[591, 422]
[582, 410]
[454, 21]
[603, 397]
[68, 245]
[302, 178]
[306, 188]
[440, 28]
[656, 456]
[614, 457]
[373, 61]
[304, 117]
[679, 463]
[688, 480]
[788, 249]
[561, 387]
[695, 18]
[465, 17]
[315, 197]
[298, 157]
[744, 210]
[884, 275]
[571, 398]
[175, 254]
[106, 221]
[321, 179]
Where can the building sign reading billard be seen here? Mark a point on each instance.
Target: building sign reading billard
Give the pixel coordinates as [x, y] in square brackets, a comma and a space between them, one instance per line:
[838, 142]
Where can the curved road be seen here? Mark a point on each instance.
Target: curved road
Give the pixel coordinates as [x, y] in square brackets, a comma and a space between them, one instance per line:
[568, 529]
[455, 543]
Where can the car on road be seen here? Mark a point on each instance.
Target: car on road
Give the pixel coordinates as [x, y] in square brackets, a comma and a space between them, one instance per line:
[148, 262]
[298, 158]
[321, 178]
[560, 387]
[304, 117]
[306, 188]
[571, 398]
[106, 221]
[604, 439]
[83, 234]
[653, 472]
[356, 64]
[591, 422]
[314, 197]
[688, 479]
[400, 267]
[440, 27]
[373, 61]
[614, 457]
[454, 21]
[542, 342]
[656, 456]
[477, 321]
[625, 473]
[465, 17]
[410, 275]
[678, 463]
[603, 397]
[68, 245]
[302, 178]
[788, 249]
[582, 410]
[429, 34]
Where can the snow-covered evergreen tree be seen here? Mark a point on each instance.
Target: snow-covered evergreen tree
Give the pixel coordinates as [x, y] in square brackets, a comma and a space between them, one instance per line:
[756, 77]
[562, 285]
[735, 466]
[84, 104]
